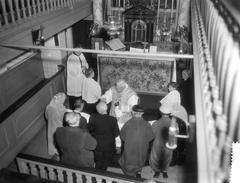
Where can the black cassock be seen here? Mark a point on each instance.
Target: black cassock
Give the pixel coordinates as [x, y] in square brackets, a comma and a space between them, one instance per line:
[104, 129]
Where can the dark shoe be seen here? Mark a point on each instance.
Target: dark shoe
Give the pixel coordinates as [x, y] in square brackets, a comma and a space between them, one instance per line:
[165, 175]
[138, 175]
[156, 175]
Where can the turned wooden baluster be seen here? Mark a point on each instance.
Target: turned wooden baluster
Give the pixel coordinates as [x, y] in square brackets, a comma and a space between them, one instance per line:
[88, 179]
[39, 7]
[99, 180]
[66, 3]
[54, 5]
[42, 171]
[23, 9]
[51, 173]
[69, 176]
[49, 2]
[61, 3]
[17, 9]
[60, 175]
[48, 5]
[58, 4]
[34, 7]
[79, 177]
[33, 169]
[10, 4]
[29, 8]
[43, 6]
[4, 12]
[108, 181]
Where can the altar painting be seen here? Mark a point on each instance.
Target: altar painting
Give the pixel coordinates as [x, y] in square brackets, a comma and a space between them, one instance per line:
[143, 75]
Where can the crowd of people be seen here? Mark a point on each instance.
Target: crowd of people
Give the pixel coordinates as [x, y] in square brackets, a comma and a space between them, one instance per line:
[86, 134]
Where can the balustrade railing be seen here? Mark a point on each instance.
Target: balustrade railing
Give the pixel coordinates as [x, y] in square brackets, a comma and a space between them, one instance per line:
[217, 76]
[13, 11]
[54, 170]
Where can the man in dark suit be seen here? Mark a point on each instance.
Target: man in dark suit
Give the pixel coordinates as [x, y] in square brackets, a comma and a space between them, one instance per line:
[76, 145]
[104, 129]
[186, 89]
[136, 135]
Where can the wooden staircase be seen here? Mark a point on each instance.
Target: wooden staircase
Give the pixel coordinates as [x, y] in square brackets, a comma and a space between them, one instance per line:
[56, 171]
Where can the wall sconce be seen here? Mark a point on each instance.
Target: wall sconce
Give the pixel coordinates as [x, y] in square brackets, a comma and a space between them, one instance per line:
[37, 36]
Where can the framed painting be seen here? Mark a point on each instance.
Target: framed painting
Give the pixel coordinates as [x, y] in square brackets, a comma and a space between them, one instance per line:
[144, 75]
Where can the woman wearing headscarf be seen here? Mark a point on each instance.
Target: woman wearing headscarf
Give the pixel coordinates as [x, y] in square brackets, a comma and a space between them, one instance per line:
[54, 113]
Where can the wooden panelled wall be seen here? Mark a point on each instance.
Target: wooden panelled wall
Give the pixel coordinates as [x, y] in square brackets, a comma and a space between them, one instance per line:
[26, 121]
[17, 81]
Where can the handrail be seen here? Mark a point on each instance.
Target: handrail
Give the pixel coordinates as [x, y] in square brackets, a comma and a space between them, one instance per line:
[54, 170]
[125, 53]
[5, 114]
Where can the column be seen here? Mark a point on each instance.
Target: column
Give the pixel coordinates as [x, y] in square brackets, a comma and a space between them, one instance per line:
[98, 12]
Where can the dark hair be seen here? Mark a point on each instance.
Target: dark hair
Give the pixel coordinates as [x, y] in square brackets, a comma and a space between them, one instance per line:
[88, 72]
[173, 84]
[78, 103]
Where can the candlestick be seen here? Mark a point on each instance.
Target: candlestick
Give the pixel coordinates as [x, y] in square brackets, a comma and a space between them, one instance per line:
[172, 140]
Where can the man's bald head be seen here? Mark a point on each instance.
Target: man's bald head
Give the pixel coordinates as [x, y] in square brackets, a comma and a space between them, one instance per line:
[121, 85]
[101, 108]
[72, 119]
[60, 97]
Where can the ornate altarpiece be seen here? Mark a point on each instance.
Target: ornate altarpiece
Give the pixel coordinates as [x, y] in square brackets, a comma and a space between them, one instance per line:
[139, 24]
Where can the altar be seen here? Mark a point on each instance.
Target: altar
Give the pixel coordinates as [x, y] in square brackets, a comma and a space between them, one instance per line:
[144, 75]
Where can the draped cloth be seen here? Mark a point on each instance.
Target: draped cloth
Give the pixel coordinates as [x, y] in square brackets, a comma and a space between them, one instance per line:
[136, 135]
[160, 156]
[54, 114]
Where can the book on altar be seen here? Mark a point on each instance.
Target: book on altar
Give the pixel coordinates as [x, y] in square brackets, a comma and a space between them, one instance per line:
[115, 44]
[139, 50]
[153, 49]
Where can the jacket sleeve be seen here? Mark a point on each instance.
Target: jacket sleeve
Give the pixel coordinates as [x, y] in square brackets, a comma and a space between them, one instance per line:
[90, 142]
[107, 96]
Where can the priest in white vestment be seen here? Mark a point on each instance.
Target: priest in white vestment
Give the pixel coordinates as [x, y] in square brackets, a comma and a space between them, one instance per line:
[122, 99]
[91, 92]
[76, 64]
[172, 99]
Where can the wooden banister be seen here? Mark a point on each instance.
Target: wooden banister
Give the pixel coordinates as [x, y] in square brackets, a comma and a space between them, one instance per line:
[61, 172]
[217, 78]
[17, 10]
